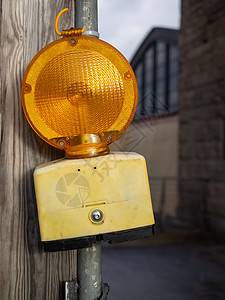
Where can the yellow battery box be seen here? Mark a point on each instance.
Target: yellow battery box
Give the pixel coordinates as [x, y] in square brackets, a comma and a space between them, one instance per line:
[81, 201]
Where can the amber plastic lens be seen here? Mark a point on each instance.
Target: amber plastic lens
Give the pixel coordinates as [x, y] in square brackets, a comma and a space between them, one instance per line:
[79, 94]
[85, 97]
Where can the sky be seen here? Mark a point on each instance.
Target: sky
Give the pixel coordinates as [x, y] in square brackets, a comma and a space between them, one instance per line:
[125, 23]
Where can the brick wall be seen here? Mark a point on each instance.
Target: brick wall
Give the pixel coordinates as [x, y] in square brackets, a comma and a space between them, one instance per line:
[202, 113]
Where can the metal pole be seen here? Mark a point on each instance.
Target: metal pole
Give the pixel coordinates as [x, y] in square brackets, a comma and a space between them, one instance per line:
[89, 260]
[89, 272]
[86, 15]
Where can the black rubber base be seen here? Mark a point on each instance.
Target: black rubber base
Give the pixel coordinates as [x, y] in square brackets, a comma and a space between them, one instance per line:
[88, 241]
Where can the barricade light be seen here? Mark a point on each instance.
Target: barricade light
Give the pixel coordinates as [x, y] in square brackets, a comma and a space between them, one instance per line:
[79, 94]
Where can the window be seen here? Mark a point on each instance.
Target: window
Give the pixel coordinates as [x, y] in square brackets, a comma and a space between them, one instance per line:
[173, 78]
[139, 77]
[160, 94]
[149, 80]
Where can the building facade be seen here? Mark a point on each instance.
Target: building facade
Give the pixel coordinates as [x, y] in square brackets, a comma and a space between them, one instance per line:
[156, 68]
[154, 130]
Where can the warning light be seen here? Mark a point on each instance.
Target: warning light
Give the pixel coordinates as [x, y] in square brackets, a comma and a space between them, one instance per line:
[79, 94]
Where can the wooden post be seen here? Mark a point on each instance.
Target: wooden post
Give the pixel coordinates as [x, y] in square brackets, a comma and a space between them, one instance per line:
[26, 272]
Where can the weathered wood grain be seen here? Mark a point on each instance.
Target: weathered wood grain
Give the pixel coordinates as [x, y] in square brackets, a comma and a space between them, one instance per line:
[26, 272]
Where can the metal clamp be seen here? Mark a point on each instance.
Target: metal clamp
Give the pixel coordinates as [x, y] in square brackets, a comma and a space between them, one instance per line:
[105, 291]
[92, 33]
[71, 290]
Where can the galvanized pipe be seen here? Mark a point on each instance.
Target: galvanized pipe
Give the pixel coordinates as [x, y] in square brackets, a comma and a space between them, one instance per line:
[89, 271]
[86, 15]
[89, 260]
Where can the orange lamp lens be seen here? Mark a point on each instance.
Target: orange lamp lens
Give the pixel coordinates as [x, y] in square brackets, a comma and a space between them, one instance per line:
[79, 94]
